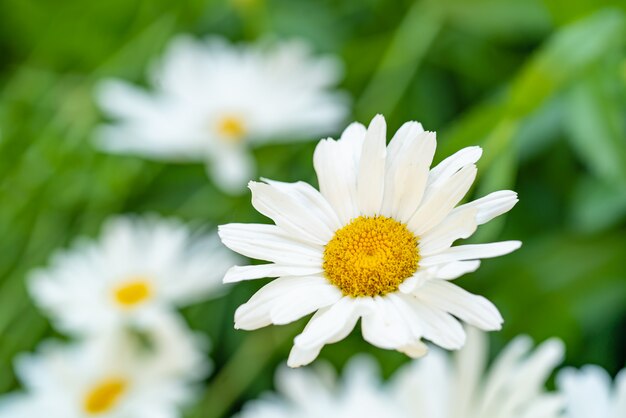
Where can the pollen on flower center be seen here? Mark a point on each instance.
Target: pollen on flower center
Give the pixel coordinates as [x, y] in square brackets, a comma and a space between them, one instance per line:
[133, 292]
[371, 256]
[231, 128]
[104, 396]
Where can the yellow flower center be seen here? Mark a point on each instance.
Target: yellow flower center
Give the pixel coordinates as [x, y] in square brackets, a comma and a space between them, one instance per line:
[133, 292]
[104, 396]
[371, 256]
[231, 128]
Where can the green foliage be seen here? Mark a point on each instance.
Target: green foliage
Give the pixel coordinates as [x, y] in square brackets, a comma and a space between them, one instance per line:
[541, 85]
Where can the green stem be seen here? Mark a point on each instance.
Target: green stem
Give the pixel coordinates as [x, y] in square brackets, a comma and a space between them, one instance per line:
[405, 53]
[250, 359]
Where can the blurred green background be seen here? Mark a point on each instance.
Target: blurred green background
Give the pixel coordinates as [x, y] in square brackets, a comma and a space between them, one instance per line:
[541, 85]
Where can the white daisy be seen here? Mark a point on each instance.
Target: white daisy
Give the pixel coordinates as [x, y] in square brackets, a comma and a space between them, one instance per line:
[375, 243]
[318, 393]
[590, 393]
[138, 265]
[437, 386]
[213, 100]
[118, 376]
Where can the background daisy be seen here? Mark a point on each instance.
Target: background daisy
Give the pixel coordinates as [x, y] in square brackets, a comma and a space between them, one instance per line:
[375, 243]
[317, 392]
[139, 265]
[463, 386]
[436, 386]
[146, 373]
[213, 100]
[589, 392]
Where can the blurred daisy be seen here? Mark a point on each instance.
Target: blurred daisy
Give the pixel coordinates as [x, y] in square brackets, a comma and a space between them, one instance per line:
[118, 376]
[440, 386]
[436, 386]
[317, 393]
[590, 393]
[375, 243]
[139, 265]
[213, 100]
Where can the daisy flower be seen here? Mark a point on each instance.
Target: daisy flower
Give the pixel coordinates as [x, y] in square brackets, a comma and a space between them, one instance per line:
[375, 243]
[442, 386]
[318, 393]
[141, 374]
[139, 265]
[437, 386]
[212, 101]
[590, 393]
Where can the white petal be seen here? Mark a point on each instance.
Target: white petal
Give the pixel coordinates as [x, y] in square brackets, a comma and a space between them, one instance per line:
[288, 213]
[503, 369]
[123, 100]
[327, 326]
[330, 323]
[458, 225]
[303, 303]
[406, 180]
[456, 269]
[587, 391]
[470, 365]
[183, 67]
[384, 326]
[371, 178]
[533, 372]
[336, 165]
[231, 169]
[269, 242]
[426, 387]
[416, 349]
[302, 356]
[438, 204]
[418, 279]
[311, 198]
[491, 206]
[515, 377]
[241, 273]
[299, 386]
[148, 125]
[438, 326]
[471, 252]
[473, 309]
[402, 139]
[620, 394]
[448, 167]
[284, 300]
[544, 406]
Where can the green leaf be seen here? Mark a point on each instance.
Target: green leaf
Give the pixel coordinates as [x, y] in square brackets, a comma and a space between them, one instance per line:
[597, 205]
[596, 128]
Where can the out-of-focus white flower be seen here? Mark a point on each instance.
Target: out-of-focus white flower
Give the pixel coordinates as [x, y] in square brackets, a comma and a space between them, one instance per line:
[374, 243]
[213, 100]
[439, 386]
[436, 386]
[146, 373]
[589, 393]
[306, 393]
[139, 265]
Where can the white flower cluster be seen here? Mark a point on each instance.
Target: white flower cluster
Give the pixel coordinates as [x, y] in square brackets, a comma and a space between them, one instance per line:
[444, 386]
[131, 355]
[214, 101]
